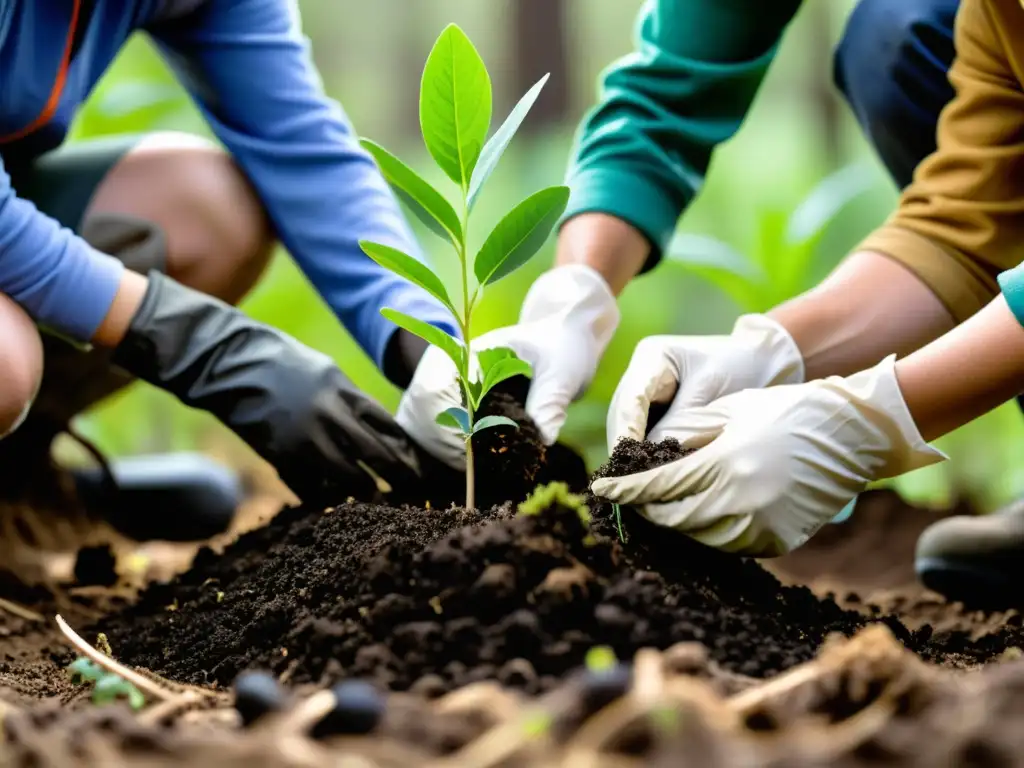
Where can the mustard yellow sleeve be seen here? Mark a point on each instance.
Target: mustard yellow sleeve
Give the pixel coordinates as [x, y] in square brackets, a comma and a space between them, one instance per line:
[961, 221]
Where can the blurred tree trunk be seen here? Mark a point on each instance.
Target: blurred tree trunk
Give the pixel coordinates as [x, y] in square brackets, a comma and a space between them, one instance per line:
[540, 47]
[826, 97]
[412, 55]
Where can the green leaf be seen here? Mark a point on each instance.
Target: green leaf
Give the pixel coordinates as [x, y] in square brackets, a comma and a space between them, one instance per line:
[498, 143]
[455, 104]
[449, 345]
[429, 205]
[502, 370]
[488, 422]
[409, 268]
[496, 365]
[489, 357]
[520, 234]
[111, 688]
[85, 669]
[456, 418]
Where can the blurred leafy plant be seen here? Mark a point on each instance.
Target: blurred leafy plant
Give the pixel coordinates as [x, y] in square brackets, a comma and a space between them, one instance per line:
[600, 658]
[107, 687]
[781, 264]
[455, 117]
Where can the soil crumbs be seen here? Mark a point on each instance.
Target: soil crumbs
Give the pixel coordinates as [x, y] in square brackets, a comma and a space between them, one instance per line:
[431, 601]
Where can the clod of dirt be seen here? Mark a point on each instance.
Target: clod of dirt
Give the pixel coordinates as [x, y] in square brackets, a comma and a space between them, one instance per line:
[516, 455]
[96, 566]
[510, 461]
[631, 456]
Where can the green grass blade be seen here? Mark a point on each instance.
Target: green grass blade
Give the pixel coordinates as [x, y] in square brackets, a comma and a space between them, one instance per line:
[449, 345]
[411, 269]
[429, 205]
[518, 236]
[498, 143]
[455, 104]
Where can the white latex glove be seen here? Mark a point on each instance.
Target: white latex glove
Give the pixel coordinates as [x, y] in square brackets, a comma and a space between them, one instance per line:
[566, 322]
[777, 464]
[690, 371]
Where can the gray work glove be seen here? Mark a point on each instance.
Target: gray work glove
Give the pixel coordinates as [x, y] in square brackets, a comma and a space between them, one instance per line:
[290, 403]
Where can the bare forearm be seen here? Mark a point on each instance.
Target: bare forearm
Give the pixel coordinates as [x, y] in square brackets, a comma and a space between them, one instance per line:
[868, 308]
[966, 373]
[606, 244]
[126, 303]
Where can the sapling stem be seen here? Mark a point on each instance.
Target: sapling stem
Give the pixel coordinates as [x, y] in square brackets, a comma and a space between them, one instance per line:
[467, 304]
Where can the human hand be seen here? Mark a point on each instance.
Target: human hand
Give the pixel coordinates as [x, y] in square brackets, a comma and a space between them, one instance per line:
[566, 322]
[689, 371]
[290, 403]
[774, 465]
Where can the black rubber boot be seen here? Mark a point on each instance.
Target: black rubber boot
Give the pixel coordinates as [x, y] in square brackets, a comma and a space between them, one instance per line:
[178, 497]
[978, 561]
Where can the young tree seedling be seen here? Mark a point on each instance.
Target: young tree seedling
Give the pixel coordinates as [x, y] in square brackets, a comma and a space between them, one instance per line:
[455, 117]
[107, 686]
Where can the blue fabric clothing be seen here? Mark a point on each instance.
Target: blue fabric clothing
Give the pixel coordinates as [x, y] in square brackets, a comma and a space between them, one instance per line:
[891, 66]
[247, 65]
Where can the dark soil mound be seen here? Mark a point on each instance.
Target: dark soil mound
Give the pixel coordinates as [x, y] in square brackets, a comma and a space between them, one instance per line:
[361, 591]
[521, 600]
[435, 599]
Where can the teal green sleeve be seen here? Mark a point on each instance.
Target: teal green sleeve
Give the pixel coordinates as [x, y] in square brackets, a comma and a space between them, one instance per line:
[642, 152]
[1011, 282]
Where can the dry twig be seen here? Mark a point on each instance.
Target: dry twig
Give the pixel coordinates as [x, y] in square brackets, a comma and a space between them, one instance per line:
[144, 684]
[20, 611]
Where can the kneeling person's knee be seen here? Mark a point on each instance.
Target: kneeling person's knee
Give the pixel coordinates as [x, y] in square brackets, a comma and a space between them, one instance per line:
[21, 364]
[218, 233]
[892, 45]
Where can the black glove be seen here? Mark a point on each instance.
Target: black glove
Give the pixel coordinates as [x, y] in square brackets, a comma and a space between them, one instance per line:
[290, 403]
[401, 356]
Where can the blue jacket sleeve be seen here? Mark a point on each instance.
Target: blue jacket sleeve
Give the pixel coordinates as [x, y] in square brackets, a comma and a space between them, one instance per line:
[247, 64]
[59, 279]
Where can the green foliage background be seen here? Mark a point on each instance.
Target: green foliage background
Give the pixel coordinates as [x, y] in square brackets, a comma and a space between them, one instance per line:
[368, 54]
